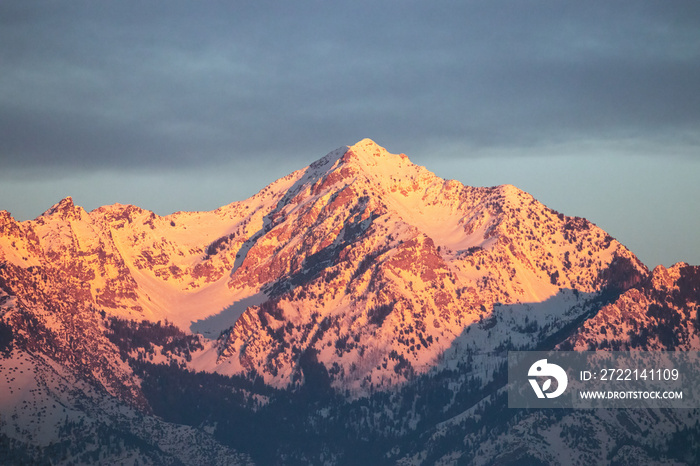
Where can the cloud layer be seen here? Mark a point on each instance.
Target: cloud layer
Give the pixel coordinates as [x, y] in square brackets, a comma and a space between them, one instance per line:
[131, 84]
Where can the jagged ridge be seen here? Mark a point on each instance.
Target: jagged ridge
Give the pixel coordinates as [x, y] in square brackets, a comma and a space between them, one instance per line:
[362, 271]
[363, 258]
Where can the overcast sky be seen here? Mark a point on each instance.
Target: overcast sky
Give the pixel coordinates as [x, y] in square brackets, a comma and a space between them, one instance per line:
[593, 107]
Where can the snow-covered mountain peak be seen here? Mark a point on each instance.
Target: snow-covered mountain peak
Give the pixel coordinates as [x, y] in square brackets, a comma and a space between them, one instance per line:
[121, 212]
[362, 169]
[366, 144]
[65, 209]
[374, 158]
[369, 152]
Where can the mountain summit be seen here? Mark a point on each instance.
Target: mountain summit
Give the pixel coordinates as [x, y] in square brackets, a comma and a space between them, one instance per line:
[372, 264]
[362, 276]
[379, 267]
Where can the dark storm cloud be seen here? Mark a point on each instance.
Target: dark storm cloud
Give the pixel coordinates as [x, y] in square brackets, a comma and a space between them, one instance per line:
[179, 84]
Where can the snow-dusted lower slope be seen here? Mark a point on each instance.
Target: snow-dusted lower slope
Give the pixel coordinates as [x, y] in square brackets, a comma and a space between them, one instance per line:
[50, 415]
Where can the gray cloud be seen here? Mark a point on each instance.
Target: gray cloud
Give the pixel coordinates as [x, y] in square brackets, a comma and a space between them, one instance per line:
[178, 84]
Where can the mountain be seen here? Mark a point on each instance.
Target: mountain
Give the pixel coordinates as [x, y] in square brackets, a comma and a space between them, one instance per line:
[336, 297]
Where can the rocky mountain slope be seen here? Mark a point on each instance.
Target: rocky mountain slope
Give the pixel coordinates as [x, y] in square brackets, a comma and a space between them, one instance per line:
[661, 314]
[658, 314]
[361, 277]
